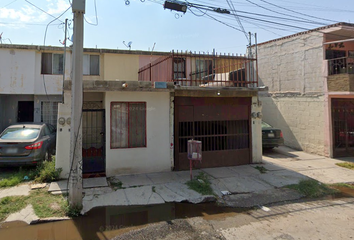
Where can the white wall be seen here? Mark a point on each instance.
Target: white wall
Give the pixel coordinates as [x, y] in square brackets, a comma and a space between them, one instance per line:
[156, 156]
[62, 159]
[17, 69]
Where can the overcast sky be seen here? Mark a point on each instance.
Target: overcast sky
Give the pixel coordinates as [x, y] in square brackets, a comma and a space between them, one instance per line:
[146, 23]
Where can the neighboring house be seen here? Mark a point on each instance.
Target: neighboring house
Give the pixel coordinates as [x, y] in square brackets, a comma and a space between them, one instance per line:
[143, 107]
[30, 89]
[310, 78]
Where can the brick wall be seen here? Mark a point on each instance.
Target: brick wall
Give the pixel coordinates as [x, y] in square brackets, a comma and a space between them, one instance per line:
[341, 83]
[294, 71]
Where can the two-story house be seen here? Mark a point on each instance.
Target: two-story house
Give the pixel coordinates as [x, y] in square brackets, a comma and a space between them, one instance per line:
[310, 78]
[139, 108]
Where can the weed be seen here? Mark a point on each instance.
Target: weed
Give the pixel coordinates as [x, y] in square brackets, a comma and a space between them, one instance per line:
[349, 165]
[115, 183]
[46, 172]
[261, 169]
[201, 184]
[73, 211]
[312, 188]
[46, 204]
[153, 189]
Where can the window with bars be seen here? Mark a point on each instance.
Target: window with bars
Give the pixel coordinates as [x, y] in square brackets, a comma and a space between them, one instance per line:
[49, 112]
[128, 124]
[179, 68]
[52, 63]
[91, 64]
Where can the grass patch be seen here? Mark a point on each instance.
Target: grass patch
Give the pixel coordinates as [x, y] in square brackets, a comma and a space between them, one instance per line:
[44, 204]
[11, 204]
[261, 169]
[349, 165]
[44, 172]
[201, 184]
[312, 188]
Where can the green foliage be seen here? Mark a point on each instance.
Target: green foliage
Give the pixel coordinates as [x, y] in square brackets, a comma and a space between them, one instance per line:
[73, 211]
[201, 184]
[14, 179]
[312, 188]
[46, 172]
[349, 165]
[261, 169]
[44, 204]
[343, 185]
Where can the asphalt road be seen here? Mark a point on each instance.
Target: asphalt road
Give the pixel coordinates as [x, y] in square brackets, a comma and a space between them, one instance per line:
[321, 219]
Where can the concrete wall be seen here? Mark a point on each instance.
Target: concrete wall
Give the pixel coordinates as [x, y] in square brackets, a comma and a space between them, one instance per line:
[17, 69]
[294, 71]
[156, 156]
[302, 120]
[121, 66]
[62, 159]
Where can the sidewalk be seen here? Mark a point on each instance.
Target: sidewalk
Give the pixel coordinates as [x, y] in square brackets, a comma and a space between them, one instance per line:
[243, 186]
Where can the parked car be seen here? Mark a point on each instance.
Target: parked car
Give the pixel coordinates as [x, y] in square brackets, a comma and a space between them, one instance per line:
[271, 137]
[27, 144]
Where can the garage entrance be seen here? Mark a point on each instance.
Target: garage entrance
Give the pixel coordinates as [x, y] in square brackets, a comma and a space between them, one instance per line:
[343, 127]
[223, 126]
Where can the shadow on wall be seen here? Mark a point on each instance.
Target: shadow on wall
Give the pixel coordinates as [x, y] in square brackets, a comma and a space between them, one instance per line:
[274, 117]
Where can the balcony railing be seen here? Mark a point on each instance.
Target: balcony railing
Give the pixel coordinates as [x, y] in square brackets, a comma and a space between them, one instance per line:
[204, 70]
[341, 65]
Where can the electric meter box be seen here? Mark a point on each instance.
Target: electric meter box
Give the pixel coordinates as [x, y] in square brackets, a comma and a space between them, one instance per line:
[194, 150]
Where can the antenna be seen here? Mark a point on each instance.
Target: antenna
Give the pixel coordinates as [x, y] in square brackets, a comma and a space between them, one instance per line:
[129, 45]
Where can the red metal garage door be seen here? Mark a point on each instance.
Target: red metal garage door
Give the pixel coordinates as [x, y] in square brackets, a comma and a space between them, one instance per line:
[223, 126]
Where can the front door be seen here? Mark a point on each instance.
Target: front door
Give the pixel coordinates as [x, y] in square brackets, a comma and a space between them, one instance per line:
[343, 127]
[93, 141]
[25, 111]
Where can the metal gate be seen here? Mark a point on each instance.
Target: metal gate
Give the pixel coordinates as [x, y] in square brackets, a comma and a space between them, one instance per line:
[93, 141]
[343, 127]
[223, 126]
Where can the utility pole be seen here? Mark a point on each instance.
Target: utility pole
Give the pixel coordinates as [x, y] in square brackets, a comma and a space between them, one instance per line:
[75, 178]
[64, 58]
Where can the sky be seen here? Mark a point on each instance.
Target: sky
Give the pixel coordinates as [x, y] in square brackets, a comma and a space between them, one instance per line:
[112, 24]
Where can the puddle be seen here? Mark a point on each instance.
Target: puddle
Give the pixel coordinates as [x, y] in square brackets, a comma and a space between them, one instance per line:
[344, 192]
[108, 222]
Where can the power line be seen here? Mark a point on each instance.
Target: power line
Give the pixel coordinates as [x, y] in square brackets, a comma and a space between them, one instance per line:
[9, 4]
[231, 5]
[94, 24]
[278, 12]
[41, 9]
[297, 12]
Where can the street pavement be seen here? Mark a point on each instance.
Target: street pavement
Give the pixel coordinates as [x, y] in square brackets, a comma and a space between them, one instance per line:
[238, 186]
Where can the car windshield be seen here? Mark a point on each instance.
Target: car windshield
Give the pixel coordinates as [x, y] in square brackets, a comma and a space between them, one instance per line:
[265, 125]
[19, 133]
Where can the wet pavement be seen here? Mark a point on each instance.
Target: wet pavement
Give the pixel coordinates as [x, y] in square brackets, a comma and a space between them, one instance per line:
[154, 197]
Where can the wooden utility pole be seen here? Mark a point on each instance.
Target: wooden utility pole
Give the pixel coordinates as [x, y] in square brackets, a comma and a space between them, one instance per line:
[75, 178]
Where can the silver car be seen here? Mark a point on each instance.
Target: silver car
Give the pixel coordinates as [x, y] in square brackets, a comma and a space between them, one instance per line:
[27, 144]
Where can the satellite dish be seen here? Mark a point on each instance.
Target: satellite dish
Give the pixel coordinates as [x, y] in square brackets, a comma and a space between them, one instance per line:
[129, 45]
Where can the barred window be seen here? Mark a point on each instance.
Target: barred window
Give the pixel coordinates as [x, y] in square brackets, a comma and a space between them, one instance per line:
[128, 124]
[49, 112]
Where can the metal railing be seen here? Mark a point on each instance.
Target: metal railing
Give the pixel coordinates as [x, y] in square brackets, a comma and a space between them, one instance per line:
[204, 70]
[341, 65]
